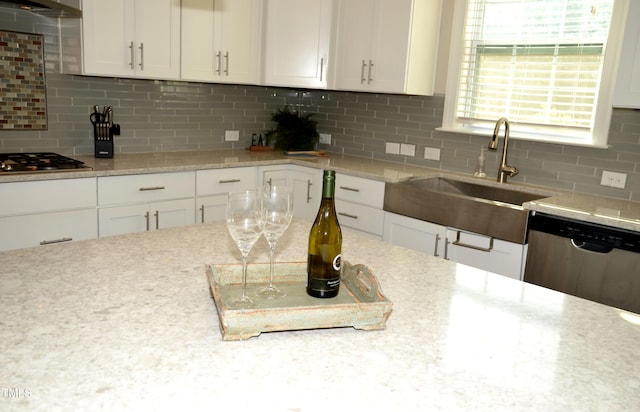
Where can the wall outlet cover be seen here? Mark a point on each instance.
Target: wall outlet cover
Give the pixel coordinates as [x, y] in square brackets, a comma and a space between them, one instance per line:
[432, 153]
[232, 135]
[613, 179]
[325, 138]
[407, 149]
[392, 148]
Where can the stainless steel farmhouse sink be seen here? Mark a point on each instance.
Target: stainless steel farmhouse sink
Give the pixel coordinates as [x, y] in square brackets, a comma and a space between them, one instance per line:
[490, 209]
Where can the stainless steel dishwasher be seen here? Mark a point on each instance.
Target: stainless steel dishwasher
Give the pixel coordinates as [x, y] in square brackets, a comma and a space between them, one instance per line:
[592, 261]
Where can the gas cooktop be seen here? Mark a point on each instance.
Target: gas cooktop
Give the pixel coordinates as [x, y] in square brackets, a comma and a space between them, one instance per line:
[38, 162]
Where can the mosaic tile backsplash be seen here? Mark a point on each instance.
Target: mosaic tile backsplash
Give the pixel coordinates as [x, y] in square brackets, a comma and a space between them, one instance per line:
[23, 105]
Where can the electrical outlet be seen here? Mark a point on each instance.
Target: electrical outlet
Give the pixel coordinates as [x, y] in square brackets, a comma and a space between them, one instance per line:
[232, 135]
[407, 149]
[431, 153]
[613, 179]
[325, 138]
[392, 148]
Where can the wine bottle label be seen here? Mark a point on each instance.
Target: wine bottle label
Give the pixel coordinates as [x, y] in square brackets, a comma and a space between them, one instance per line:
[337, 262]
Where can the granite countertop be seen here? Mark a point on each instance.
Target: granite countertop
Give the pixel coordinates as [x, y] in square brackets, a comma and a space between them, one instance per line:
[127, 322]
[596, 209]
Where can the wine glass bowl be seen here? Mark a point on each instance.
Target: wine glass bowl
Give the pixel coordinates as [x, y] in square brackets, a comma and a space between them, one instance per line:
[278, 208]
[245, 222]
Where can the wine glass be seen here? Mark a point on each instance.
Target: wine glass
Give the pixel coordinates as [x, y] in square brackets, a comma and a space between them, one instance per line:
[278, 207]
[245, 221]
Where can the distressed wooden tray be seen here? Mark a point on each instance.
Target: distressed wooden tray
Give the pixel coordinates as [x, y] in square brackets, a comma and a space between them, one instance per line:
[360, 303]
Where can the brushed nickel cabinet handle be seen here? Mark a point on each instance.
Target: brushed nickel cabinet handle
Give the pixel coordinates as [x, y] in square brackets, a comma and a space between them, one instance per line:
[157, 215]
[457, 242]
[370, 78]
[226, 63]
[321, 68]
[146, 216]
[309, 191]
[229, 181]
[435, 249]
[362, 78]
[351, 189]
[202, 214]
[219, 59]
[141, 56]
[61, 240]
[147, 189]
[348, 215]
[446, 249]
[132, 57]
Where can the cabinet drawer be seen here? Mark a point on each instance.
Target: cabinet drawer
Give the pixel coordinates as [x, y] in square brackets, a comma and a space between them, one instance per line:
[359, 190]
[209, 182]
[486, 253]
[21, 198]
[363, 218]
[113, 190]
[45, 228]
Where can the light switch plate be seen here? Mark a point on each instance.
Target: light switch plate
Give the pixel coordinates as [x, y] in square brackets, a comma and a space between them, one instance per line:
[231, 135]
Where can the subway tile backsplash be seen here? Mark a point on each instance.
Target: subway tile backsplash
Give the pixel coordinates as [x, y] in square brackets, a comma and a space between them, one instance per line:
[160, 116]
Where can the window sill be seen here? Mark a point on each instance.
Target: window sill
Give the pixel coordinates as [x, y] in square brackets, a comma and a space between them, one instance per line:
[530, 137]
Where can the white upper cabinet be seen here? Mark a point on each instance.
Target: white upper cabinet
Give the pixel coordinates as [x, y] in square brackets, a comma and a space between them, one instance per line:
[627, 91]
[387, 46]
[297, 42]
[221, 40]
[131, 38]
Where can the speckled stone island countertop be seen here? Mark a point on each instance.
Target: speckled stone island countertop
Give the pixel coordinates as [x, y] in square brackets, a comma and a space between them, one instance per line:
[127, 323]
[596, 209]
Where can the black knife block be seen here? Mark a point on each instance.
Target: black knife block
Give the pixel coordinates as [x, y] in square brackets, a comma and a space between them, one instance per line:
[103, 138]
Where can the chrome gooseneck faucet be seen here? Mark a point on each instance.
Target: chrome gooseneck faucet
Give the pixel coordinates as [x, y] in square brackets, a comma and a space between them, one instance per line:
[504, 170]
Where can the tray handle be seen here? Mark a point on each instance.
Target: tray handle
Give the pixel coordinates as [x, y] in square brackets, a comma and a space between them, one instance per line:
[362, 282]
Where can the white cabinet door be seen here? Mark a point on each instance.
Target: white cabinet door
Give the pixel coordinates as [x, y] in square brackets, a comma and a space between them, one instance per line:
[118, 220]
[387, 46]
[132, 38]
[305, 182]
[297, 42]
[483, 252]
[213, 186]
[414, 234]
[627, 92]
[48, 228]
[307, 191]
[221, 40]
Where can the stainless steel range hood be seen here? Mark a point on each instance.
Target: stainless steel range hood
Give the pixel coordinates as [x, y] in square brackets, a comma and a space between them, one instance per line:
[49, 8]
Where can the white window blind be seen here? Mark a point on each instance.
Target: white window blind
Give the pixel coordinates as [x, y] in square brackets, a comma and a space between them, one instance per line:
[537, 62]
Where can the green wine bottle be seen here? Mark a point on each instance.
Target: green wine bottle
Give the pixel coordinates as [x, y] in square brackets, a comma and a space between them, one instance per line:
[325, 245]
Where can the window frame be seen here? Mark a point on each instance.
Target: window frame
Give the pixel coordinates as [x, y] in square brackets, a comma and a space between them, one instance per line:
[599, 133]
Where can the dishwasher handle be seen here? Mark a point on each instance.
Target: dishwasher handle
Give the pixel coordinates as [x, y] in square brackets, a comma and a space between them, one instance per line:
[591, 246]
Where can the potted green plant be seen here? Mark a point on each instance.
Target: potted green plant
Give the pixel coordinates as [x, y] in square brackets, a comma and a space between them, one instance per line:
[293, 132]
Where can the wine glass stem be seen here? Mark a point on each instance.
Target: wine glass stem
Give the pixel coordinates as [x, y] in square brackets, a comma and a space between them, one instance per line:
[271, 260]
[244, 277]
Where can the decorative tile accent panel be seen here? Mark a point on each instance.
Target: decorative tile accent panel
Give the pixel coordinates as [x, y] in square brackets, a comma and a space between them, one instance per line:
[23, 103]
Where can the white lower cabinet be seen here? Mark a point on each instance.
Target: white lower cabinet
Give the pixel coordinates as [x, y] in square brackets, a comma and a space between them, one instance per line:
[48, 211]
[48, 228]
[213, 187]
[414, 234]
[359, 205]
[118, 220]
[472, 249]
[305, 182]
[135, 203]
[486, 253]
